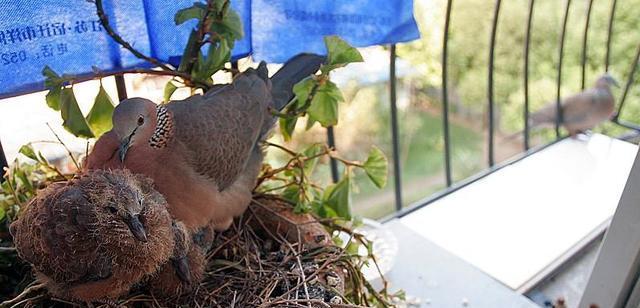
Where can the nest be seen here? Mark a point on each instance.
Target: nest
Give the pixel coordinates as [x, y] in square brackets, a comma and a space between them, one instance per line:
[270, 257]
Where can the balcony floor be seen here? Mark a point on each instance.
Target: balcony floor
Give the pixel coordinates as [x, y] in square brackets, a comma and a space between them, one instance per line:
[514, 223]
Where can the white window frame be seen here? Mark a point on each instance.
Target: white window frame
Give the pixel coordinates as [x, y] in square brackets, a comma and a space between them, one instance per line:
[614, 280]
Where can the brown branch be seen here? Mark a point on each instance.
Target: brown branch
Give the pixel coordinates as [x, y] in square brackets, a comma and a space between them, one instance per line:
[7, 249]
[16, 301]
[75, 162]
[104, 20]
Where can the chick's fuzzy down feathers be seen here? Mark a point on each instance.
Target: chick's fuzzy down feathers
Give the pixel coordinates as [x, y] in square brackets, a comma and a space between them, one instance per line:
[75, 237]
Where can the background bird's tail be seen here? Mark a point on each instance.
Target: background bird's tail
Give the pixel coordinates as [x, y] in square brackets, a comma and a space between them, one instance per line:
[293, 71]
[544, 117]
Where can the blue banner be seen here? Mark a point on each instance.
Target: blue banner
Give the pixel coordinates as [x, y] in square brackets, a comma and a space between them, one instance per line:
[68, 37]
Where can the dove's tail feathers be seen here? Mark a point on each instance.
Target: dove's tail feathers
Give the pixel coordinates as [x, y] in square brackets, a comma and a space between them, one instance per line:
[544, 117]
[293, 71]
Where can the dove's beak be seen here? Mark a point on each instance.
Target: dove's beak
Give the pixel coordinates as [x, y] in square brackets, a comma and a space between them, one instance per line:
[615, 83]
[123, 148]
[137, 228]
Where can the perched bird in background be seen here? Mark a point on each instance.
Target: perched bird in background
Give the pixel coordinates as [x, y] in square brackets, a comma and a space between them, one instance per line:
[94, 237]
[203, 153]
[582, 111]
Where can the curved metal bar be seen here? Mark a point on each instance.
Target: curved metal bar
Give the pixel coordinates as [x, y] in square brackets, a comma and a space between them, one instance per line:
[331, 141]
[609, 34]
[632, 71]
[559, 80]
[584, 45]
[3, 163]
[445, 97]
[526, 75]
[492, 45]
[394, 128]
[121, 87]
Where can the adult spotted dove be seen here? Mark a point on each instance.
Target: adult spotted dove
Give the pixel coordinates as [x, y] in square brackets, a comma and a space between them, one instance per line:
[96, 236]
[581, 111]
[203, 153]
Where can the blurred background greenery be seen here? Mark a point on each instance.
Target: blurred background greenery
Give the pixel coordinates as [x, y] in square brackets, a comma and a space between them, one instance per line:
[365, 118]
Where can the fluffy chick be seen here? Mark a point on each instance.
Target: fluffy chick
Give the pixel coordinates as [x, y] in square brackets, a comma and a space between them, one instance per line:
[187, 265]
[94, 237]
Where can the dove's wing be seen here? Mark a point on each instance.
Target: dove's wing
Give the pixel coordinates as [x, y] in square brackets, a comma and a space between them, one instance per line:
[220, 129]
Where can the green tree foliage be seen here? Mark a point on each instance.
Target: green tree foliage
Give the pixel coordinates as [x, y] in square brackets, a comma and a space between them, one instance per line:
[469, 35]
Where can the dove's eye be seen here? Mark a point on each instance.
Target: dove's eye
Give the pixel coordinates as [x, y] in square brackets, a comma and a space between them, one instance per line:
[112, 209]
[140, 120]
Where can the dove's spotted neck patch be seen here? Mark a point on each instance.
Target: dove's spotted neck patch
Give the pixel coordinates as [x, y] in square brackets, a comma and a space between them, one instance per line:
[164, 126]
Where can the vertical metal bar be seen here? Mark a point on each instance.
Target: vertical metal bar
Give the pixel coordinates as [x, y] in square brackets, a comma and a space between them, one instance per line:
[445, 97]
[584, 45]
[331, 140]
[394, 128]
[234, 68]
[609, 33]
[492, 45]
[632, 72]
[3, 163]
[559, 80]
[121, 86]
[526, 75]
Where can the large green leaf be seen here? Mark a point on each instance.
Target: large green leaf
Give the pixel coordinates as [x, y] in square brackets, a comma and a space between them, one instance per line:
[338, 197]
[217, 56]
[197, 11]
[54, 83]
[310, 164]
[191, 44]
[324, 106]
[230, 27]
[73, 121]
[287, 126]
[169, 88]
[28, 151]
[339, 52]
[302, 89]
[99, 118]
[376, 167]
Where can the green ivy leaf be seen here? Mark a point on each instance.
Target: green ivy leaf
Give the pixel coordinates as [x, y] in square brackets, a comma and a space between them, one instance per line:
[230, 27]
[54, 83]
[339, 52]
[287, 126]
[376, 167]
[197, 11]
[28, 151]
[191, 43]
[169, 89]
[217, 56]
[99, 118]
[324, 106]
[338, 197]
[73, 121]
[291, 194]
[311, 151]
[302, 89]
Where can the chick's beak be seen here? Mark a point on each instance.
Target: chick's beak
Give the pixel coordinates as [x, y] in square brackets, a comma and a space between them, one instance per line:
[137, 228]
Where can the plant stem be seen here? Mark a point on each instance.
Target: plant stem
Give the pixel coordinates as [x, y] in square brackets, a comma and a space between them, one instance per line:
[104, 20]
